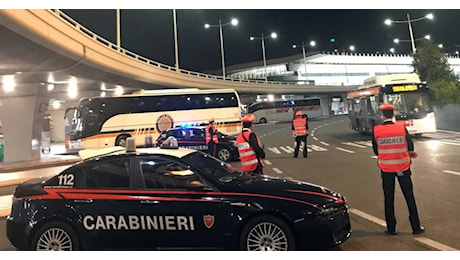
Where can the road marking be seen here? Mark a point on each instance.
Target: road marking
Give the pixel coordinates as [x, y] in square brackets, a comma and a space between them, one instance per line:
[267, 162]
[423, 240]
[374, 156]
[274, 149]
[434, 244]
[317, 148]
[451, 172]
[326, 144]
[315, 138]
[368, 217]
[287, 149]
[277, 170]
[353, 144]
[366, 143]
[345, 150]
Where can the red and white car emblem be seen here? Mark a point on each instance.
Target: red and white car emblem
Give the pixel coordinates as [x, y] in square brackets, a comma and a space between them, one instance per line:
[208, 220]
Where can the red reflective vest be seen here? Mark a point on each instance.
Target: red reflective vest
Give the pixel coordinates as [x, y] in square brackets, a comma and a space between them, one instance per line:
[393, 155]
[248, 156]
[215, 138]
[300, 127]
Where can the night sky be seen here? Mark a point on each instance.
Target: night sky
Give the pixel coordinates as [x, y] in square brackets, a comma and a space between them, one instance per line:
[150, 32]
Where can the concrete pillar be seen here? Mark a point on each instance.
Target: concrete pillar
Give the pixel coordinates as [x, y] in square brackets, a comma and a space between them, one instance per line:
[22, 117]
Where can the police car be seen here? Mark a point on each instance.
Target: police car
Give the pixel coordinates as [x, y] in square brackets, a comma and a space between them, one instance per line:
[158, 198]
[195, 138]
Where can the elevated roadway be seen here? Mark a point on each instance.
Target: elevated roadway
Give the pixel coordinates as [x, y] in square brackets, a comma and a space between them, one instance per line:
[40, 47]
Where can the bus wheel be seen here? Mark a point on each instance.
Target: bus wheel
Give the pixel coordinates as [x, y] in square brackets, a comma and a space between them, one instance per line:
[121, 140]
[263, 120]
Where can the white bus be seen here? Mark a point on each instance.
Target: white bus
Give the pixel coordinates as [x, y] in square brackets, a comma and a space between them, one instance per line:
[108, 121]
[412, 98]
[283, 110]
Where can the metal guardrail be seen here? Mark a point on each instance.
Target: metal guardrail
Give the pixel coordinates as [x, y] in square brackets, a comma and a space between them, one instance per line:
[137, 57]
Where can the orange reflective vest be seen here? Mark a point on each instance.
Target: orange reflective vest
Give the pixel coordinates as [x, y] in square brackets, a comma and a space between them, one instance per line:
[300, 127]
[248, 156]
[214, 137]
[393, 155]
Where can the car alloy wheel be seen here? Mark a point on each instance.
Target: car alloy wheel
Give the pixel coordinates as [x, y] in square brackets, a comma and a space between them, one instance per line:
[224, 154]
[267, 233]
[55, 236]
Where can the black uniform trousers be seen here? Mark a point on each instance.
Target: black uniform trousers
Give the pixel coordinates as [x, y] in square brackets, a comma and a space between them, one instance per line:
[212, 148]
[298, 140]
[405, 182]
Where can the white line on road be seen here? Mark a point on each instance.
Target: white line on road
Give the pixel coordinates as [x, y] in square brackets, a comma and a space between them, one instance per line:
[267, 162]
[368, 217]
[434, 244]
[451, 172]
[345, 150]
[353, 144]
[315, 138]
[274, 149]
[277, 170]
[326, 144]
[423, 240]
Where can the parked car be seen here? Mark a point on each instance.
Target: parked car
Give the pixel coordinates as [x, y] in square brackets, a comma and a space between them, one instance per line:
[195, 138]
[178, 198]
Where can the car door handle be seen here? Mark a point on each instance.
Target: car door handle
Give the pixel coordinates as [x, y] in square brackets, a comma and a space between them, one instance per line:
[84, 201]
[238, 204]
[150, 202]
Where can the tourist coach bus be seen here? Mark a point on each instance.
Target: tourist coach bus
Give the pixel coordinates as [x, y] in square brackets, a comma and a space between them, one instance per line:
[108, 121]
[283, 110]
[412, 98]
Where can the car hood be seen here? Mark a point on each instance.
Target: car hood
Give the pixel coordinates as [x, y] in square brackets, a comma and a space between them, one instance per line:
[294, 189]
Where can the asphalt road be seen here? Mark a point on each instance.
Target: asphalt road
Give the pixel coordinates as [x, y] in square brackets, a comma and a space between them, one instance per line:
[343, 160]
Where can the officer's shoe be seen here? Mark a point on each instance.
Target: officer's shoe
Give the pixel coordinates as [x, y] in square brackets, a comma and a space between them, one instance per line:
[390, 233]
[420, 231]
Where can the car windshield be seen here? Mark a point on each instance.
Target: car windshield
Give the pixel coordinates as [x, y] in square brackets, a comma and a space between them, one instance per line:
[218, 170]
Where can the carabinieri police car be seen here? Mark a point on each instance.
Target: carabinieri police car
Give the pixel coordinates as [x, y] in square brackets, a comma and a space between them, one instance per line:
[158, 198]
[194, 137]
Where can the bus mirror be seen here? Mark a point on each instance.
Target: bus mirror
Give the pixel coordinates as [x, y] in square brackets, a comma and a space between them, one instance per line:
[130, 144]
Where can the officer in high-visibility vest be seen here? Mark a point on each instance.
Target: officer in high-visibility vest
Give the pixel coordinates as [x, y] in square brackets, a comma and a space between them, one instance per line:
[300, 132]
[251, 153]
[394, 147]
[212, 138]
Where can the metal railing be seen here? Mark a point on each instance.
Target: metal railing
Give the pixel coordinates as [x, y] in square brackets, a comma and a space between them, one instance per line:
[137, 57]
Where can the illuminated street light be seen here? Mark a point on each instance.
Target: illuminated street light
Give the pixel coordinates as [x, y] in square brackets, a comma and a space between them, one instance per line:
[312, 44]
[262, 38]
[233, 22]
[392, 50]
[409, 22]
[426, 37]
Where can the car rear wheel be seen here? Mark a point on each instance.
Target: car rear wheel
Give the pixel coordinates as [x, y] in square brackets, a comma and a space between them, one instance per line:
[55, 236]
[263, 120]
[267, 233]
[224, 154]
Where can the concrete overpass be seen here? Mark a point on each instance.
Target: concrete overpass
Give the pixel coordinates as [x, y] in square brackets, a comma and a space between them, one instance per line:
[42, 47]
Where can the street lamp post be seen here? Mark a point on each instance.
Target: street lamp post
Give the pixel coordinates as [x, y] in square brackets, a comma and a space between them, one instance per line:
[233, 22]
[312, 44]
[262, 38]
[409, 22]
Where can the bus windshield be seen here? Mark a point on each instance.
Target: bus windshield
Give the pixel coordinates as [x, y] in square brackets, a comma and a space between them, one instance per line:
[415, 104]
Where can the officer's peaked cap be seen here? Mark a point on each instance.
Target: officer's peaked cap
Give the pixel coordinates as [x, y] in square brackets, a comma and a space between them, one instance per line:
[387, 106]
[248, 118]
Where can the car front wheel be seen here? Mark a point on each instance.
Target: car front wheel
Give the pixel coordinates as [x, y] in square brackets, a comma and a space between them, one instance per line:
[224, 154]
[267, 233]
[55, 236]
